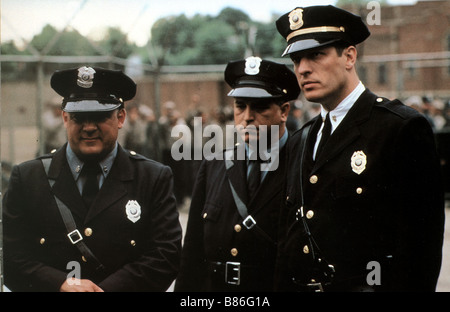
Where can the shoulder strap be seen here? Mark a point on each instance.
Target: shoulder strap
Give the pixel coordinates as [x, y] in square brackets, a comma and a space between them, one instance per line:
[74, 234]
[303, 141]
[327, 269]
[249, 222]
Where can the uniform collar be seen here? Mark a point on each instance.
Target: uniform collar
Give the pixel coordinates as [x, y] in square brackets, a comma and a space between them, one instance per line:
[338, 114]
[76, 165]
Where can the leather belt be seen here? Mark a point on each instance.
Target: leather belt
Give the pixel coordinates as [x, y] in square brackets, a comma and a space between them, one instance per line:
[231, 272]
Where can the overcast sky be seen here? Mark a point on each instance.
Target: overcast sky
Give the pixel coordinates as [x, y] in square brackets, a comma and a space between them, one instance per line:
[22, 19]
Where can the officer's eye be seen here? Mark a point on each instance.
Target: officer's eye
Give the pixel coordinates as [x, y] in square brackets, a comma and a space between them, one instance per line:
[81, 118]
[240, 105]
[295, 58]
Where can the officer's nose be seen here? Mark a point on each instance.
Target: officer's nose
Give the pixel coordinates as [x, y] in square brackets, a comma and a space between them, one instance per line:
[89, 126]
[249, 114]
[302, 66]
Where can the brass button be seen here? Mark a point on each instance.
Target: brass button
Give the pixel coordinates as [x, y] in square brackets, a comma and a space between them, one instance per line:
[379, 100]
[237, 228]
[84, 259]
[133, 242]
[306, 249]
[133, 153]
[205, 215]
[88, 231]
[234, 252]
[42, 241]
[310, 214]
[359, 190]
[314, 179]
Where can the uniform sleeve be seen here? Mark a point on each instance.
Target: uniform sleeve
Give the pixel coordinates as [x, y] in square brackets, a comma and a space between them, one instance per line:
[193, 266]
[420, 217]
[23, 271]
[157, 268]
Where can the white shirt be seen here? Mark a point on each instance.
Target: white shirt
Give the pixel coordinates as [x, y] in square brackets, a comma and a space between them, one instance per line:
[339, 113]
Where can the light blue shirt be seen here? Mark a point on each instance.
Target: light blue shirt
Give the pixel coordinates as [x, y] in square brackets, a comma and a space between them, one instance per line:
[76, 165]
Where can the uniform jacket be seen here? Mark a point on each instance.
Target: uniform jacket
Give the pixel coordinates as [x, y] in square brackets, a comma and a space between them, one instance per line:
[392, 212]
[138, 256]
[215, 232]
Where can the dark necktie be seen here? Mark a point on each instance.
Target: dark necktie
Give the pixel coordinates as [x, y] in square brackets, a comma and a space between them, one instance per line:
[90, 187]
[254, 178]
[326, 132]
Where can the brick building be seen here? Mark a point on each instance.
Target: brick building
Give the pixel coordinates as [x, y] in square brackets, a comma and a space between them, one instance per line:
[408, 53]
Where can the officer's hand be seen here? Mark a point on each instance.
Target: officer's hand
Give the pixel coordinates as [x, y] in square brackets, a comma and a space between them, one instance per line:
[79, 285]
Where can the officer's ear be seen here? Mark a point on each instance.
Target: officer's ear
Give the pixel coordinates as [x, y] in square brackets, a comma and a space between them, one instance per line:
[121, 115]
[65, 117]
[350, 54]
[285, 108]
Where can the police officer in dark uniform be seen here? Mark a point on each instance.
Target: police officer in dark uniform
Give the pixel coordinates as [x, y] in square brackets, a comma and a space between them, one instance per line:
[230, 243]
[91, 216]
[364, 203]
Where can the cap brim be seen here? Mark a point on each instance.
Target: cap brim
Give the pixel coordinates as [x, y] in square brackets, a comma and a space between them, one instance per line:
[89, 106]
[307, 44]
[252, 93]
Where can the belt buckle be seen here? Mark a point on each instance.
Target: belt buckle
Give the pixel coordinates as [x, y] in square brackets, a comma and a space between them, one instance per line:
[316, 287]
[233, 273]
[247, 220]
[75, 236]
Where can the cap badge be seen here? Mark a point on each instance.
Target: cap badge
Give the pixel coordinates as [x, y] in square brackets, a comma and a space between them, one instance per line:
[358, 162]
[252, 64]
[133, 210]
[296, 19]
[85, 77]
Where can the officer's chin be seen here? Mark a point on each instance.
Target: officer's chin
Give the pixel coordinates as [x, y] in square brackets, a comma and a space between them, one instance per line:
[251, 139]
[92, 153]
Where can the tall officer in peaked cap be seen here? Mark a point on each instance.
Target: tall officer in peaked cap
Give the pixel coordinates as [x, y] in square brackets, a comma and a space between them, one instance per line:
[364, 204]
[91, 216]
[230, 243]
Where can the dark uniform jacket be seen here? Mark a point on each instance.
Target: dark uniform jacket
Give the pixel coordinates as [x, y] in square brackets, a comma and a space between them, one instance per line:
[392, 212]
[139, 256]
[216, 234]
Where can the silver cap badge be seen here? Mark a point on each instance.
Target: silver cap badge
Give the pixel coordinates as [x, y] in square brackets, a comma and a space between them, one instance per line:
[85, 77]
[252, 64]
[296, 19]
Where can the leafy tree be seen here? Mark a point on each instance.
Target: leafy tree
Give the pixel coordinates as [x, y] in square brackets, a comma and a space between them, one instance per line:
[69, 42]
[235, 18]
[115, 43]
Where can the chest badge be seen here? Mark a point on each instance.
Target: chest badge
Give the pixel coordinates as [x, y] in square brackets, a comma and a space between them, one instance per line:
[133, 210]
[358, 162]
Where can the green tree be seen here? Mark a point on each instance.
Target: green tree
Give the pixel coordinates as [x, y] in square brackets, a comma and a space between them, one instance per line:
[69, 42]
[116, 44]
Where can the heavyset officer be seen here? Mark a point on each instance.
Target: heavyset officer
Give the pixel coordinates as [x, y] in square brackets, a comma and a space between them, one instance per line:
[364, 203]
[230, 243]
[91, 216]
